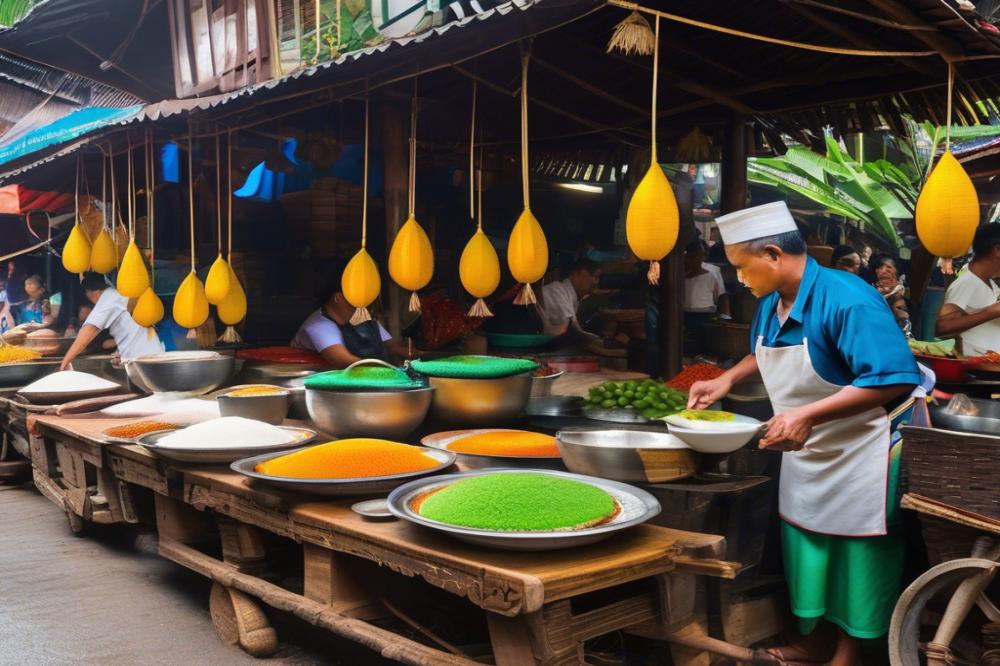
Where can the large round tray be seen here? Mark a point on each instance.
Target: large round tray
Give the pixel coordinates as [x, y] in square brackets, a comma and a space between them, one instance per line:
[21, 374]
[617, 415]
[339, 487]
[59, 397]
[637, 506]
[442, 440]
[218, 455]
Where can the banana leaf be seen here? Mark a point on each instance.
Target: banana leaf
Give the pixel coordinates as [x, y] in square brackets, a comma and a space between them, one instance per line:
[795, 184]
[12, 11]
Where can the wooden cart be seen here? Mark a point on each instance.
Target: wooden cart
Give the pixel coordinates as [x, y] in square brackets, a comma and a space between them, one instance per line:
[350, 576]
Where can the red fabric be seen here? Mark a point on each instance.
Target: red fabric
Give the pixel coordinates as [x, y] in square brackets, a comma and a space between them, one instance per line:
[281, 355]
[17, 199]
[443, 321]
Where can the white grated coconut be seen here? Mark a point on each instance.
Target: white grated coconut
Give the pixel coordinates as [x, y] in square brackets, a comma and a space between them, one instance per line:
[226, 432]
[179, 409]
[69, 381]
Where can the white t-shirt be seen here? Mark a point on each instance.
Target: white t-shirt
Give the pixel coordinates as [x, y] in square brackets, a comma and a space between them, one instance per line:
[971, 294]
[559, 305]
[717, 274]
[319, 332]
[701, 293]
[111, 313]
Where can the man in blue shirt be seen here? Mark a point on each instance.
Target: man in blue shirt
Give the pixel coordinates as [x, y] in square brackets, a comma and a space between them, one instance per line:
[831, 356]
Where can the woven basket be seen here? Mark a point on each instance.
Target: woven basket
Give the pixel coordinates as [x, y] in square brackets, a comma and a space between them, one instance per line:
[946, 540]
[958, 469]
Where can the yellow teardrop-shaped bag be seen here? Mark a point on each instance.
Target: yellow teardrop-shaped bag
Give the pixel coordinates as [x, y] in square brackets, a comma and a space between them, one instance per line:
[947, 209]
[217, 282]
[133, 278]
[103, 253]
[361, 283]
[190, 304]
[76, 252]
[527, 249]
[233, 307]
[652, 220]
[411, 260]
[479, 267]
[148, 309]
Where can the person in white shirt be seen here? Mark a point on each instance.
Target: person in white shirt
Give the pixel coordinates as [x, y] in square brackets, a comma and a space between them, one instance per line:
[111, 313]
[971, 307]
[702, 290]
[561, 300]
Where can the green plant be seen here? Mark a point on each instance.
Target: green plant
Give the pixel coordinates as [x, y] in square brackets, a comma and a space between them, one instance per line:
[12, 11]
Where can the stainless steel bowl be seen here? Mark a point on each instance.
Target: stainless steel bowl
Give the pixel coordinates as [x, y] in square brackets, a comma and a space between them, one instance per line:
[987, 422]
[21, 374]
[542, 386]
[642, 456]
[49, 347]
[102, 366]
[267, 407]
[480, 402]
[289, 375]
[194, 376]
[387, 414]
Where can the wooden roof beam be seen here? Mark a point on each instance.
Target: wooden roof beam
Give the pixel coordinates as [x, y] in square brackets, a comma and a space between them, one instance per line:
[949, 49]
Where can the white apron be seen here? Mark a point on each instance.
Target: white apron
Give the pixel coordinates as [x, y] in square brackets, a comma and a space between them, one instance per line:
[837, 483]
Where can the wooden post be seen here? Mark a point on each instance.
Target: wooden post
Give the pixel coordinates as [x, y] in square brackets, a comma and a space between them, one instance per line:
[672, 281]
[734, 165]
[394, 124]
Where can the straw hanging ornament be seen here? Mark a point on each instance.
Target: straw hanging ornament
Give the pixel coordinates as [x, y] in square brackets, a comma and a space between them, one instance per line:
[527, 249]
[76, 252]
[652, 221]
[947, 212]
[133, 278]
[233, 308]
[148, 309]
[190, 305]
[361, 283]
[411, 259]
[479, 266]
[217, 282]
[104, 252]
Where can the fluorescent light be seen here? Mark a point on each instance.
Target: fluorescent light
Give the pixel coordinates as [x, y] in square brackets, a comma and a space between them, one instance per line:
[583, 187]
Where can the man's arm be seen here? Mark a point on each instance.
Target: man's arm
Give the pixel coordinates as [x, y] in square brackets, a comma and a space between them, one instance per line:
[338, 356]
[86, 335]
[953, 320]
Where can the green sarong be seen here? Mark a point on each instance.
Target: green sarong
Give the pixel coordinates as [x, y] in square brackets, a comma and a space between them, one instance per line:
[852, 582]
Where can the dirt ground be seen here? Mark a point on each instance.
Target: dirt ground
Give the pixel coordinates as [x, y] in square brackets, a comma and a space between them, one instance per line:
[108, 599]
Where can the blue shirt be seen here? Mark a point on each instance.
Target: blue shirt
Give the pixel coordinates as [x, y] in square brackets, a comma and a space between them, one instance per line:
[853, 336]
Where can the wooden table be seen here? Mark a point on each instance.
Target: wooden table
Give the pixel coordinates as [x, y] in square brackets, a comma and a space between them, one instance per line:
[536, 607]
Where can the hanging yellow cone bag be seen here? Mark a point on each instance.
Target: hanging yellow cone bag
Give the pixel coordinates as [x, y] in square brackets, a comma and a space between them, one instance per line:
[479, 267]
[217, 282]
[947, 209]
[652, 220]
[190, 304]
[133, 278]
[148, 309]
[76, 252]
[527, 254]
[233, 307]
[361, 283]
[411, 260]
[103, 253]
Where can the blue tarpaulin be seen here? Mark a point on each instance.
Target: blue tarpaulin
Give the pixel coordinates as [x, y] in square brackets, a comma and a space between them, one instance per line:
[65, 129]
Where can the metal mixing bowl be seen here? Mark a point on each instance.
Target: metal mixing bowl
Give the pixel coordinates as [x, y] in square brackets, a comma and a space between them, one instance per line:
[267, 407]
[480, 402]
[194, 376]
[102, 366]
[16, 375]
[637, 456]
[986, 422]
[288, 375]
[542, 386]
[387, 414]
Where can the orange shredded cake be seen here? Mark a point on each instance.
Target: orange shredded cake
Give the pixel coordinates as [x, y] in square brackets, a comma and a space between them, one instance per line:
[138, 429]
[255, 390]
[349, 459]
[513, 443]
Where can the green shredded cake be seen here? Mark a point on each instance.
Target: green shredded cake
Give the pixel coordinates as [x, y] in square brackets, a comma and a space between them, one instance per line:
[518, 502]
[362, 378]
[474, 367]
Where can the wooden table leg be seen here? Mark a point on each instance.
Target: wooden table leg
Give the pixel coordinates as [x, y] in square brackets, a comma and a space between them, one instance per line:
[237, 617]
[334, 579]
[546, 637]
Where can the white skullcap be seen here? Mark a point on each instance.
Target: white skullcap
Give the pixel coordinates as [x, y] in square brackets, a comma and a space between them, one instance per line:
[757, 222]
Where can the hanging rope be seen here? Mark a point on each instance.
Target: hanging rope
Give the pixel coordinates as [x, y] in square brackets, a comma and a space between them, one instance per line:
[229, 195]
[656, 79]
[151, 207]
[218, 194]
[130, 188]
[364, 185]
[191, 193]
[770, 40]
[114, 192]
[412, 203]
[951, 87]
[104, 194]
[525, 59]
[472, 160]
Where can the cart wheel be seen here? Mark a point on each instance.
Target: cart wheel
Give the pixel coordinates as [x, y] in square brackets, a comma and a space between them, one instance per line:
[77, 525]
[904, 630]
[238, 620]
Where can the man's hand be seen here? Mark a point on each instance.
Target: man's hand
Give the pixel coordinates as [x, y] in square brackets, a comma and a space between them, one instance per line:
[65, 364]
[703, 394]
[788, 431]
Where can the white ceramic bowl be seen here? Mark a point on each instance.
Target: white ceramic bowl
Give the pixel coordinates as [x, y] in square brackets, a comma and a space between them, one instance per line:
[725, 438]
